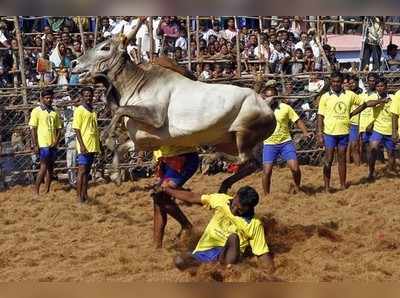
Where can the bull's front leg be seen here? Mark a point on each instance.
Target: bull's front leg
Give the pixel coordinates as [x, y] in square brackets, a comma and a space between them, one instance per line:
[146, 115]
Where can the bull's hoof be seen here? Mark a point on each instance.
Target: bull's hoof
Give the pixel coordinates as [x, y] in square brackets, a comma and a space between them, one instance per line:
[116, 178]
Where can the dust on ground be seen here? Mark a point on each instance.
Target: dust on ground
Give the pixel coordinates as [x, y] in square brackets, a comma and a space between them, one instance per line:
[346, 235]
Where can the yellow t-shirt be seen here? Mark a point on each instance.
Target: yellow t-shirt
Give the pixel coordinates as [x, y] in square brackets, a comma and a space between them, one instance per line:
[168, 151]
[367, 116]
[284, 114]
[224, 223]
[383, 118]
[395, 106]
[47, 124]
[86, 122]
[336, 111]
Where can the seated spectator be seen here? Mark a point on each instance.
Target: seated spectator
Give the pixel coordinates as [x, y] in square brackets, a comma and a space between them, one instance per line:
[178, 54]
[206, 73]
[393, 57]
[227, 72]
[217, 73]
[224, 53]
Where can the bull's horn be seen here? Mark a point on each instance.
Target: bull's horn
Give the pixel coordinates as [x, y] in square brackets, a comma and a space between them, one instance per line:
[132, 34]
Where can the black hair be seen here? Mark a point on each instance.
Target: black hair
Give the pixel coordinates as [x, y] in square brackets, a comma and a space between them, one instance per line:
[87, 88]
[381, 80]
[337, 74]
[47, 92]
[372, 75]
[248, 196]
[391, 46]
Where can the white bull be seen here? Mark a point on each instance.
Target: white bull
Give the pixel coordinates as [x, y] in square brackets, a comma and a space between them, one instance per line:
[166, 108]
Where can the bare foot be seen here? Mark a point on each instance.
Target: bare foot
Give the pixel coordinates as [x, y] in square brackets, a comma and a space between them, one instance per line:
[294, 189]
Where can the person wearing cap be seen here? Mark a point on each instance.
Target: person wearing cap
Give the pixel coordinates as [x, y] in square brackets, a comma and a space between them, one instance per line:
[88, 140]
[45, 126]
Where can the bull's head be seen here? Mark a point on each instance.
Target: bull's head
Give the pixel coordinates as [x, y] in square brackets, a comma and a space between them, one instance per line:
[107, 58]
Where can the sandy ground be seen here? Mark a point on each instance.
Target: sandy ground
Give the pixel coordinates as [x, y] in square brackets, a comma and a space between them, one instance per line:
[347, 235]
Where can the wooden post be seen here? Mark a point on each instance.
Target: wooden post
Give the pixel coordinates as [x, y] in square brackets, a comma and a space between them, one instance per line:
[238, 60]
[43, 50]
[259, 50]
[197, 38]
[150, 29]
[260, 20]
[95, 31]
[82, 35]
[189, 47]
[21, 60]
[139, 47]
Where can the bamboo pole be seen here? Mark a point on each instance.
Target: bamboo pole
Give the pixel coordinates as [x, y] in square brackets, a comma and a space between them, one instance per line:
[140, 49]
[189, 47]
[238, 58]
[150, 29]
[21, 59]
[197, 38]
[260, 25]
[96, 31]
[82, 35]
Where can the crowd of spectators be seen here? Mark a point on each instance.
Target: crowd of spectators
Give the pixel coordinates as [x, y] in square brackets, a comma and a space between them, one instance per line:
[286, 45]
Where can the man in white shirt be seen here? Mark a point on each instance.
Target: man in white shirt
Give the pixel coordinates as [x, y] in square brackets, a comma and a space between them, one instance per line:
[230, 32]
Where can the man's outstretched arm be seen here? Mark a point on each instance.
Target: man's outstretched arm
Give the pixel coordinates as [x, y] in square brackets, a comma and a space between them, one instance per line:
[183, 195]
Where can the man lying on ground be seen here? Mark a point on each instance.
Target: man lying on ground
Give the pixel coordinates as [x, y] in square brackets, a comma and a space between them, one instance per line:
[231, 230]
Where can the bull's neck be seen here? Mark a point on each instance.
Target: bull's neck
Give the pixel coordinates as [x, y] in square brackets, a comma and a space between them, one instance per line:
[129, 80]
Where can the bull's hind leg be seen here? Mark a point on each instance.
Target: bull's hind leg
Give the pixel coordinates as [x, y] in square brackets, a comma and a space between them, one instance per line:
[245, 142]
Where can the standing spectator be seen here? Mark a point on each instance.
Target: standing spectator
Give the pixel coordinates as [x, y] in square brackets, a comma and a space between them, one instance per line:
[309, 60]
[181, 42]
[303, 43]
[169, 31]
[45, 131]
[373, 42]
[297, 62]
[88, 143]
[230, 32]
[214, 31]
[279, 58]
[263, 51]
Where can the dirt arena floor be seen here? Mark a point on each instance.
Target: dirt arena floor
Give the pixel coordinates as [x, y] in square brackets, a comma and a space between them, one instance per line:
[348, 235]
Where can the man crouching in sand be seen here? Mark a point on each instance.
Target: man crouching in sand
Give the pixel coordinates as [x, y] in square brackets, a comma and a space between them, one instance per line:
[231, 230]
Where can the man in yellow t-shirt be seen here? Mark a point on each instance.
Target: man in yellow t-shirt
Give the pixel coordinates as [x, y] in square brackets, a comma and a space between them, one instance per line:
[232, 229]
[382, 132]
[45, 126]
[353, 150]
[334, 113]
[280, 142]
[367, 116]
[176, 165]
[88, 141]
[395, 110]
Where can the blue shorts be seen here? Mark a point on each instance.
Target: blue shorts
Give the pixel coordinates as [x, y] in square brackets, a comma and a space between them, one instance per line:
[332, 142]
[353, 136]
[85, 159]
[386, 140]
[365, 136]
[190, 167]
[286, 150]
[209, 255]
[47, 153]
